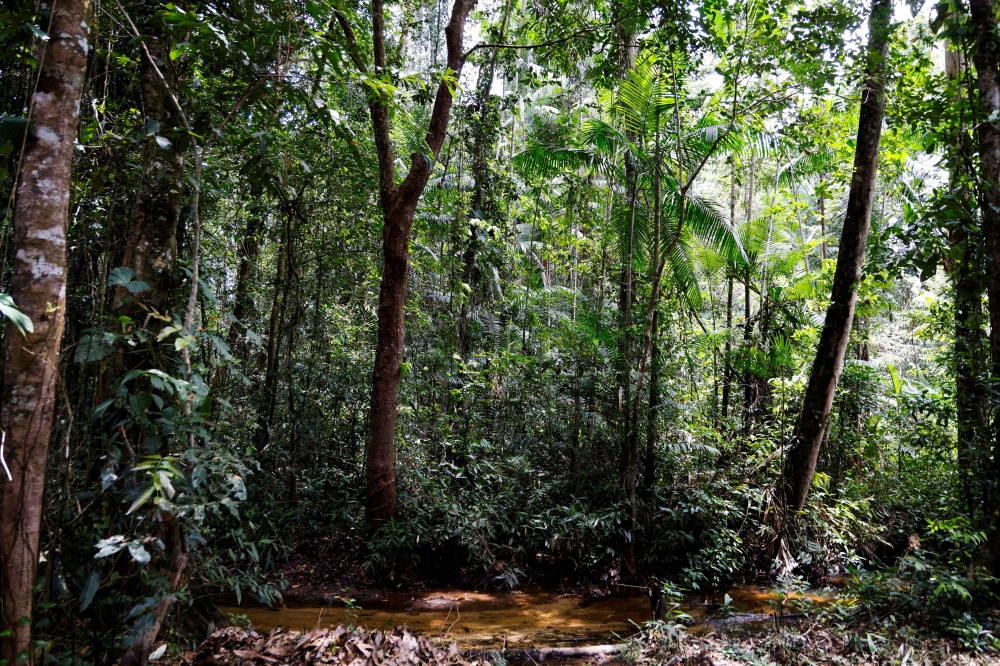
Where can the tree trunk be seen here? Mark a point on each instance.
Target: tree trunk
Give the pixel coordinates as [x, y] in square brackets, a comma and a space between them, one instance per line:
[38, 287]
[987, 61]
[138, 653]
[274, 330]
[243, 303]
[649, 468]
[151, 250]
[398, 203]
[727, 358]
[481, 176]
[817, 402]
[822, 214]
[971, 399]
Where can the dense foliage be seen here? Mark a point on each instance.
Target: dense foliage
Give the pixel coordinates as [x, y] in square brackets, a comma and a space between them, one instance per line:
[618, 275]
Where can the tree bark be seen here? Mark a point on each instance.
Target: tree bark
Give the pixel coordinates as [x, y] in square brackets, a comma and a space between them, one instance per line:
[482, 141]
[727, 382]
[800, 465]
[987, 61]
[38, 286]
[274, 330]
[249, 249]
[971, 399]
[151, 250]
[399, 202]
[138, 653]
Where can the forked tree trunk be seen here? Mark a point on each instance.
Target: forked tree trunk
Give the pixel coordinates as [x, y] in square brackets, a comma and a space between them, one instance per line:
[399, 203]
[800, 465]
[38, 286]
[987, 61]
[151, 250]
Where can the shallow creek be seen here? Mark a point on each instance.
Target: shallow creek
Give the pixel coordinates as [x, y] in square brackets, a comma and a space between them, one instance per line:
[530, 617]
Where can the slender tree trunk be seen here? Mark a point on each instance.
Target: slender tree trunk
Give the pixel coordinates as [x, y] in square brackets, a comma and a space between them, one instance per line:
[822, 214]
[971, 399]
[151, 250]
[243, 303]
[748, 379]
[138, 653]
[727, 360]
[649, 468]
[38, 287]
[293, 439]
[987, 61]
[482, 142]
[399, 204]
[817, 402]
[274, 331]
[626, 459]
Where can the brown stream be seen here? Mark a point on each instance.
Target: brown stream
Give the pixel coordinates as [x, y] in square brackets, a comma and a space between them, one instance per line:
[529, 617]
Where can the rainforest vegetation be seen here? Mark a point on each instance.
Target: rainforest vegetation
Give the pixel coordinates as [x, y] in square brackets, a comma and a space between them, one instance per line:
[495, 293]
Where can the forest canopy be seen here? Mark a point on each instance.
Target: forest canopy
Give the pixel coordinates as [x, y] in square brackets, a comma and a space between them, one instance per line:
[493, 293]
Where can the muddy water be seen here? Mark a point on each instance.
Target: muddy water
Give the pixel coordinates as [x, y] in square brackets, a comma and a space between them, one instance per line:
[522, 618]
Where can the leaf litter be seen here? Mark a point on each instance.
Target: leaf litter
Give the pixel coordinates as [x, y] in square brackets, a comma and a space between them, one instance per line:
[346, 647]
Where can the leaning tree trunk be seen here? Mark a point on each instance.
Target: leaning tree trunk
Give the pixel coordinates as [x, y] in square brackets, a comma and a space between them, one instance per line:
[987, 61]
[800, 465]
[38, 286]
[399, 203]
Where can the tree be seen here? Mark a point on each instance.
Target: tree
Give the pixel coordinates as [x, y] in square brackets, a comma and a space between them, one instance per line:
[38, 286]
[399, 203]
[817, 401]
[987, 61]
[151, 250]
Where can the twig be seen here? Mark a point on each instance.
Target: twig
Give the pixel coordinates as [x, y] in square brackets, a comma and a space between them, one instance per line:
[3, 438]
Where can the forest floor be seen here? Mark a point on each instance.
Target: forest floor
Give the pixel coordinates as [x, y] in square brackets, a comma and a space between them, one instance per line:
[400, 647]
[325, 575]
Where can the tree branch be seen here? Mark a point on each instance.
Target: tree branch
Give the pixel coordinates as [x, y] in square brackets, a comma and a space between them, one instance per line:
[540, 45]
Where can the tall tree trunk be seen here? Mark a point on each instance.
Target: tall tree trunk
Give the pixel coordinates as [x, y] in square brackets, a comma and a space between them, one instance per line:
[818, 399]
[626, 461]
[822, 213]
[274, 331]
[38, 286]
[649, 468]
[971, 399]
[138, 653]
[249, 248]
[652, 435]
[399, 203]
[748, 378]
[987, 61]
[727, 358]
[151, 250]
[482, 143]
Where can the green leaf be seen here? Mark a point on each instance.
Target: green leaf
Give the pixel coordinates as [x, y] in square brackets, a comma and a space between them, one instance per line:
[90, 589]
[142, 499]
[20, 320]
[166, 332]
[124, 277]
[109, 546]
